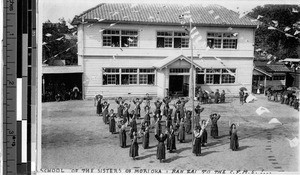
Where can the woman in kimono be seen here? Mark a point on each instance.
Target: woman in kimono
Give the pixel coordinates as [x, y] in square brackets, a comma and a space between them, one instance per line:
[200, 96]
[157, 107]
[146, 136]
[105, 112]
[241, 94]
[99, 104]
[171, 141]
[217, 96]
[122, 135]
[137, 109]
[214, 132]
[134, 148]
[126, 113]
[223, 96]
[198, 111]
[166, 101]
[158, 128]
[204, 134]
[182, 107]
[112, 122]
[177, 110]
[197, 140]
[234, 142]
[188, 122]
[147, 101]
[161, 149]
[133, 124]
[205, 97]
[169, 118]
[119, 106]
[147, 116]
[181, 132]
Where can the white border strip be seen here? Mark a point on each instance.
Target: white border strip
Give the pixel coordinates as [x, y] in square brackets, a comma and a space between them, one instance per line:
[19, 99]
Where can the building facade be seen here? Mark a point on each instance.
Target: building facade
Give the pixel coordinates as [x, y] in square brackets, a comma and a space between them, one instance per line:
[131, 50]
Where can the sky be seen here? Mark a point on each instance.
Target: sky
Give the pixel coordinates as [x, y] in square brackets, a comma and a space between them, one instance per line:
[55, 9]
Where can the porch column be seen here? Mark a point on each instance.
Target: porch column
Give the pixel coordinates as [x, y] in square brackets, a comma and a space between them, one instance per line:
[265, 84]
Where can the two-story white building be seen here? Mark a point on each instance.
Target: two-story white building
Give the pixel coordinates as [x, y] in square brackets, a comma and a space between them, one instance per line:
[134, 49]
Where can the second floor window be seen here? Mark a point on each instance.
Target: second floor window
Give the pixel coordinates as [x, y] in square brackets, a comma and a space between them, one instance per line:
[120, 38]
[221, 40]
[169, 39]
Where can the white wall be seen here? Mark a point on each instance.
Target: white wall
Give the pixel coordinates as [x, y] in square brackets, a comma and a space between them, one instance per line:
[92, 39]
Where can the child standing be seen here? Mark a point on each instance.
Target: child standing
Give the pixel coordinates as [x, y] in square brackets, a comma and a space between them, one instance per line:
[134, 148]
[214, 126]
[161, 149]
[234, 143]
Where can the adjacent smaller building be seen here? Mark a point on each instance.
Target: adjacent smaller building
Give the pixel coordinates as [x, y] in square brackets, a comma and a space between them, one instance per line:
[275, 75]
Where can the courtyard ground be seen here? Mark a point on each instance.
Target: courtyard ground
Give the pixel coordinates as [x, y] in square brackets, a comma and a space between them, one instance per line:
[73, 136]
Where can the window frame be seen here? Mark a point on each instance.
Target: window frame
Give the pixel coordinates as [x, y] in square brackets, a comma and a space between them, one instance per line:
[120, 34]
[129, 72]
[172, 37]
[222, 38]
[210, 72]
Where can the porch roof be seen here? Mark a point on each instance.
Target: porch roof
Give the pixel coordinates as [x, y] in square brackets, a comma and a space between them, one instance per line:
[171, 59]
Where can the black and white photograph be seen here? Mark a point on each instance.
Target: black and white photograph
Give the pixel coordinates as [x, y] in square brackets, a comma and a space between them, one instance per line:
[162, 87]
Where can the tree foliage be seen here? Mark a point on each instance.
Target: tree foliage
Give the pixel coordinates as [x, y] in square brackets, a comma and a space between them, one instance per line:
[59, 42]
[277, 42]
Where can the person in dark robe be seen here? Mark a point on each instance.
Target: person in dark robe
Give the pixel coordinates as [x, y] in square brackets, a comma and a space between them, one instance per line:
[125, 112]
[122, 135]
[112, 122]
[157, 107]
[137, 109]
[166, 101]
[146, 136]
[296, 104]
[181, 107]
[134, 148]
[188, 122]
[161, 149]
[234, 142]
[120, 106]
[171, 141]
[158, 127]
[105, 112]
[214, 132]
[147, 102]
[204, 134]
[205, 97]
[200, 96]
[197, 139]
[217, 96]
[99, 104]
[147, 116]
[241, 94]
[177, 110]
[169, 118]
[223, 96]
[198, 110]
[181, 131]
[245, 97]
[133, 124]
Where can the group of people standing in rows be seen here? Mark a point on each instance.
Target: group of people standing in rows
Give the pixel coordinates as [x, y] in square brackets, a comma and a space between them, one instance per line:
[284, 97]
[176, 124]
[204, 97]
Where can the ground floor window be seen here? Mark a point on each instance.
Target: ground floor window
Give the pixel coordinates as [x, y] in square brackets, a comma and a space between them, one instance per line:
[128, 76]
[215, 76]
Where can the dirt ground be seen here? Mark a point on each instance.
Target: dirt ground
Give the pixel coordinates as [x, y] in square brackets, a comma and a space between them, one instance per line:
[73, 136]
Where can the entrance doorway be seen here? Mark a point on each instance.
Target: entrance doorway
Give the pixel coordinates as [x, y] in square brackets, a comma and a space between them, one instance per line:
[178, 85]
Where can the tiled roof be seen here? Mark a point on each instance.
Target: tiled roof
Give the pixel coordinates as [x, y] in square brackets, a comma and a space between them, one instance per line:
[211, 15]
[271, 68]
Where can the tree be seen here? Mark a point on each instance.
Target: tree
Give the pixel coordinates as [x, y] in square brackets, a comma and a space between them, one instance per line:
[278, 33]
[59, 42]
